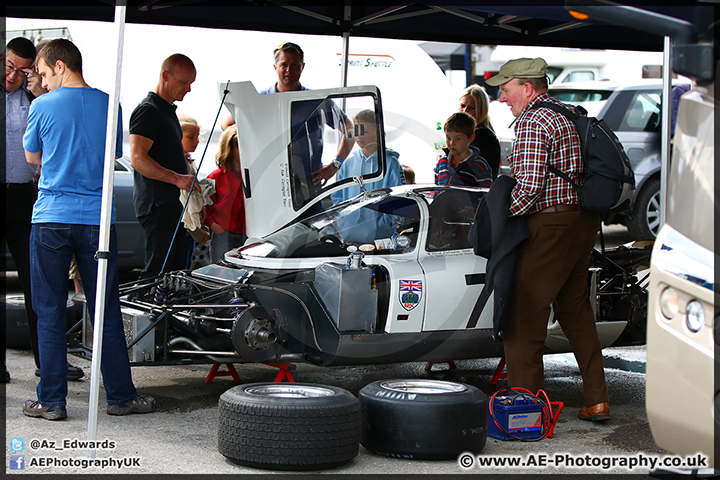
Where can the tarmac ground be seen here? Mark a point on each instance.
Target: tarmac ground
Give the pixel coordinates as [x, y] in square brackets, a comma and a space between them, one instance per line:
[181, 437]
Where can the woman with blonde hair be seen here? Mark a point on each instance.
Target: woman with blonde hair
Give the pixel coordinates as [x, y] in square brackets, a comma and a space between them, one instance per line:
[475, 102]
[226, 216]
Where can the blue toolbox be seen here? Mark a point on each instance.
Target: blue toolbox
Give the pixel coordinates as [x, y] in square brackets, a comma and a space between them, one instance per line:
[521, 416]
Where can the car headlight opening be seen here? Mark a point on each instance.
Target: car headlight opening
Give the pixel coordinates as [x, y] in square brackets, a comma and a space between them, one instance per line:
[669, 303]
[694, 316]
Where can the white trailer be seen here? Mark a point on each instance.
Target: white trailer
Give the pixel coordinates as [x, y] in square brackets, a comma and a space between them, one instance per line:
[583, 64]
[417, 97]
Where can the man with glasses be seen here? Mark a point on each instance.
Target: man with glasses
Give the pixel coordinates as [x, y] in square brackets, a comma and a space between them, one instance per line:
[21, 86]
[308, 121]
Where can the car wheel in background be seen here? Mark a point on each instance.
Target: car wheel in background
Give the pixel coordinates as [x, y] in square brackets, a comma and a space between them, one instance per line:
[288, 426]
[16, 323]
[423, 419]
[17, 335]
[646, 212]
[76, 305]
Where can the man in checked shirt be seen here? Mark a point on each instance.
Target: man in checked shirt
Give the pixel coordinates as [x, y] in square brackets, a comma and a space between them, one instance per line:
[553, 264]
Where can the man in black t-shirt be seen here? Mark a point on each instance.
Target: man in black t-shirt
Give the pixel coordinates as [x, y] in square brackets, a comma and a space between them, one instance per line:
[157, 156]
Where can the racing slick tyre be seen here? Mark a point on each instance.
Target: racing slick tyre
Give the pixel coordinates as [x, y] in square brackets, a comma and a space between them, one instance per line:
[423, 419]
[288, 426]
[646, 212]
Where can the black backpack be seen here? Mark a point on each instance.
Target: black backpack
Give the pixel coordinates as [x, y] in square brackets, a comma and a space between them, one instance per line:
[608, 176]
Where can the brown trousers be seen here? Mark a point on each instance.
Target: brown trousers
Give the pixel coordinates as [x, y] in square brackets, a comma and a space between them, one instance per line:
[553, 270]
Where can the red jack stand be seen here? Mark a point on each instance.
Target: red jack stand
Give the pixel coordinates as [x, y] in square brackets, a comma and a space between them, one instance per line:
[498, 372]
[283, 371]
[559, 406]
[429, 365]
[215, 372]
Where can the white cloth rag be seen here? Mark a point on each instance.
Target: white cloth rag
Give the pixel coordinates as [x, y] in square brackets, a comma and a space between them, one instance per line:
[192, 218]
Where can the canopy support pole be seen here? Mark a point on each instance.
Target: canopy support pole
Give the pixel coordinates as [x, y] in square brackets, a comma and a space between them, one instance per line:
[345, 50]
[665, 121]
[105, 219]
[344, 60]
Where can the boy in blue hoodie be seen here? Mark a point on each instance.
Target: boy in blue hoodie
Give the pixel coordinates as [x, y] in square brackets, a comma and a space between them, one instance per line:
[364, 161]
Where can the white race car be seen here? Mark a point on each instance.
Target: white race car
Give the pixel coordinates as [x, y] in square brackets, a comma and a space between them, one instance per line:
[386, 276]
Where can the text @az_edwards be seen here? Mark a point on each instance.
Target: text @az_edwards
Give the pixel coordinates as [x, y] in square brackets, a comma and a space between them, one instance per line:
[71, 444]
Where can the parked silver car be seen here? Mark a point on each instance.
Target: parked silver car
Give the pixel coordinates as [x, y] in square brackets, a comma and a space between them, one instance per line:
[131, 240]
[634, 113]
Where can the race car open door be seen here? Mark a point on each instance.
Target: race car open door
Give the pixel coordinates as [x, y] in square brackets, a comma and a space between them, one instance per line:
[285, 138]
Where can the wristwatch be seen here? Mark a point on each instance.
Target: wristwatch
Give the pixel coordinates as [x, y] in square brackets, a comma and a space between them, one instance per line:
[337, 163]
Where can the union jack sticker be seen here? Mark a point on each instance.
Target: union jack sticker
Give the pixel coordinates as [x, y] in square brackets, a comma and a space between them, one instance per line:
[410, 293]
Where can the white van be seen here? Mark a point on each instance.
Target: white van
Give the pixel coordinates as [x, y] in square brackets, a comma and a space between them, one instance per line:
[682, 394]
[587, 64]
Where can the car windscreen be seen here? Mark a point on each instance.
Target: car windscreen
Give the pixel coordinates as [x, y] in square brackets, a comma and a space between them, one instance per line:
[569, 95]
[590, 100]
[374, 224]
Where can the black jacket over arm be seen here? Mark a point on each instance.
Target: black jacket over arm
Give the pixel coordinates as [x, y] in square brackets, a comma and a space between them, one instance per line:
[499, 238]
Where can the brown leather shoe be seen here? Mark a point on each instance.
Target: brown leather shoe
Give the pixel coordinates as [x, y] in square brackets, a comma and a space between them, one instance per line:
[597, 413]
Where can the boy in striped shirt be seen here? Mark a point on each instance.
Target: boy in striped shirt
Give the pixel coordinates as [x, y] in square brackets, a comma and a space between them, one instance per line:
[463, 165]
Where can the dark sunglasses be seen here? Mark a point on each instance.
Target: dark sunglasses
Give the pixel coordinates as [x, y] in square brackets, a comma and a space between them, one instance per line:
[289, 46]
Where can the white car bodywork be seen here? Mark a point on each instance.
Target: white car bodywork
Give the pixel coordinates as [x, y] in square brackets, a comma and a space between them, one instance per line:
[298, 291]
[446, 298]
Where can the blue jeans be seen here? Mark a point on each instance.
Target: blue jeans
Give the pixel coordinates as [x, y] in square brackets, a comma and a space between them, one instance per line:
[52, 245]
[220, 243]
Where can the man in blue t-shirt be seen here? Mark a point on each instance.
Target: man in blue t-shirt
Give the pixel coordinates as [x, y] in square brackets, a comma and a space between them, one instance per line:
[308, 121]
[66, 135]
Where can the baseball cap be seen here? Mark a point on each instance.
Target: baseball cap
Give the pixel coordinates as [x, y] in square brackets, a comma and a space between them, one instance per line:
[519, 68]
